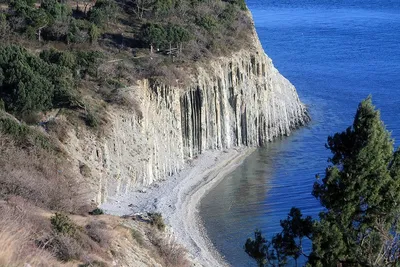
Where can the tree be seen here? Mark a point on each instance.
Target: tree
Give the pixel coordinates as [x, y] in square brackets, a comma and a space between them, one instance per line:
[288, 243]
[361, 195]
[29, 84]
[153, 34]
[257, 248]
[103, 12]
[141, 6]
[56, 11]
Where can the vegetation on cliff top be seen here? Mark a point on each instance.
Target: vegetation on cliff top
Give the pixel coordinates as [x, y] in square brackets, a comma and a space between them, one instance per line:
[72, 58]
[359, 225]
[54, 53]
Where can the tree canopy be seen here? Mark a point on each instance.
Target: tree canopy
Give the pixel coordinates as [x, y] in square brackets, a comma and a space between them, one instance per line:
[360, 194]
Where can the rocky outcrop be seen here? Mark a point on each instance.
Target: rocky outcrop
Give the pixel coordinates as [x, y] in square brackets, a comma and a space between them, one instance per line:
[238, 101]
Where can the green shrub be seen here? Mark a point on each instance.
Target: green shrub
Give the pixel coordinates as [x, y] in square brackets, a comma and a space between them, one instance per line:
[63, 224]
[80, 63]
[78, 31]
[157, 221]
[229, 14]
[115, 84]
[96, 211]
[162, 7]
[240, 3]
[103, 12]
[92, 120]
[136, 235]
[207, 22]
[161, 36]
[23, 134]
[88, 62]
[154, 34]
[56, 10]
[94, 264]
[177, 34]
[94, 33]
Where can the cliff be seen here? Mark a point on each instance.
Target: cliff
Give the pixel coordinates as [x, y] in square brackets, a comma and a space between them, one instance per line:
[238, 101]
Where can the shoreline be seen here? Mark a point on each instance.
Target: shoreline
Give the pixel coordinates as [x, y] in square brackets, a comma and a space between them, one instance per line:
[178, 198]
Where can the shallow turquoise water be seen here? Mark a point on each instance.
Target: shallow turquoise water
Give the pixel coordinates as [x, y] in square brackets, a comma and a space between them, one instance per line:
[336, 53]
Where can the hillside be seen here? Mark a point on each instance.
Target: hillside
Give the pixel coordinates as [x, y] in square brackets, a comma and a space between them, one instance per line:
[102, 98]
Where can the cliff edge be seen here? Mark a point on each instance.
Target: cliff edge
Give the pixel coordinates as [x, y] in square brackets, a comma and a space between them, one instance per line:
[241, 100]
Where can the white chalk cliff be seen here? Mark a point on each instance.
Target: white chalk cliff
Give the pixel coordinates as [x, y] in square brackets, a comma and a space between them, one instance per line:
[238, 101]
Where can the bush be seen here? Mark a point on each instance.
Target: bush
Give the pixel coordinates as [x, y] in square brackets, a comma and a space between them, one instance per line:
[23, 134]
[240, 3]
[157, 221]
[172, 253]
[97, 231]
[55, 10]
[78, 31]
[207, 22]
[154, 34]
[58, 129]
[80, 63]
[161, 36]
[66, 248]
[88, 62]
[103, 12]
[94, 264]
[136, 235]
[96, 211]
[94, 33]
[92, 120]
[63, 224]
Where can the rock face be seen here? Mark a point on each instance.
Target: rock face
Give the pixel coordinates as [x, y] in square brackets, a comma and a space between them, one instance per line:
[237, 101]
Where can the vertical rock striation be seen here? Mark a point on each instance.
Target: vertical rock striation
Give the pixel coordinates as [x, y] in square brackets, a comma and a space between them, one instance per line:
[237, 101]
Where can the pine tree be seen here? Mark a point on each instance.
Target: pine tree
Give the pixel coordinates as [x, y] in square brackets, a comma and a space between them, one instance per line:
[360, 193]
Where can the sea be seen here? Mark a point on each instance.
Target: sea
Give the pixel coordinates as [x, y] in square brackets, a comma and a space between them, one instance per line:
[336, 53]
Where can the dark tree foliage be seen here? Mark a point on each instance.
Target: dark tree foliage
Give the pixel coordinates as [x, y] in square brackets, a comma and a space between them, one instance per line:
[361, 196]
[56, 11]
[213, 25]
[34, 21]
[53, 20]
[288, 243]
[240, 3]
[103, 12]
[80, 63]
[161, 36]
[27, 83]
[257, 248]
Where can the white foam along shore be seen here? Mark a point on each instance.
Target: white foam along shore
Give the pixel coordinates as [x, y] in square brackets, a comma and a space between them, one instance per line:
[178, 199]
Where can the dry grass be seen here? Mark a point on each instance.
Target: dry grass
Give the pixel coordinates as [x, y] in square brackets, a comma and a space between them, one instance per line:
[137, 236]
[169, 251]
[42, 177]
[97, 230]
[59, 129]
[17, 247]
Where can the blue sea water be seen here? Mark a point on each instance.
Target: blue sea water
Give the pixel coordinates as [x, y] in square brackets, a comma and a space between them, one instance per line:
[336, 52]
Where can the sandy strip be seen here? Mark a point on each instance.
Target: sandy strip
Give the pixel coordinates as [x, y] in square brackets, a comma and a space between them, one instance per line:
[178, 200]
